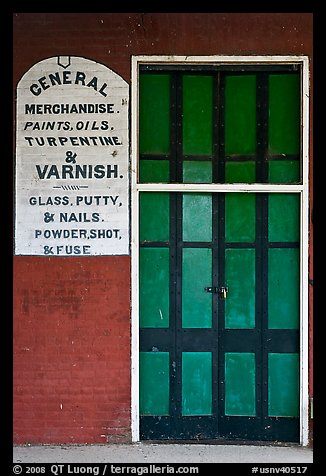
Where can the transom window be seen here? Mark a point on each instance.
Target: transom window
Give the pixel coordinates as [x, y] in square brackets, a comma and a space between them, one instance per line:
[220, 124]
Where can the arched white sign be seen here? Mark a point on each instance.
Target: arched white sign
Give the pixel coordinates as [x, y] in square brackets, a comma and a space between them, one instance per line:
[72, 160]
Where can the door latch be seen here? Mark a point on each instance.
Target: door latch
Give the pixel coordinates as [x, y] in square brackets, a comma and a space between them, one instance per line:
[211, 289]
[222, 292]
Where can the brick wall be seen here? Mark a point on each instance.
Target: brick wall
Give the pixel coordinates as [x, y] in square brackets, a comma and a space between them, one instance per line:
[72, 349]
[72, 315]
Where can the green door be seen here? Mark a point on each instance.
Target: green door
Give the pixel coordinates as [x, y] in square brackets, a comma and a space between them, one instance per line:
[219, 272]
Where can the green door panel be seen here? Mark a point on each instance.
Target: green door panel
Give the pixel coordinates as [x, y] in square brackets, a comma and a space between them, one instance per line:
[283, 385]
[154, 392]
[196, 383]
[154, 287]
[240, 377]
[284, 217]
[240, 172]
[284, 114]
[197, 217]
[154, 171]
[154, 216]
[197, 114]
[196, 275]
[240, 115]
[197, 171]
[284, 171]
[240, 216]
[154, 114]
[240, 279]
[283, 288]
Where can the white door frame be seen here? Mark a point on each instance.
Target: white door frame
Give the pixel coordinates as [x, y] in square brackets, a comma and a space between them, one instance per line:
[303, 189]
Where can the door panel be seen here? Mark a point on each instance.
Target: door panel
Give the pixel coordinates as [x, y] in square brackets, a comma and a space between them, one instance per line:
[240, 306]
[154, 378]
[196, 383]
[283, 288]
[240, 386]
[283, 385]
[196, 273]
[154, 296]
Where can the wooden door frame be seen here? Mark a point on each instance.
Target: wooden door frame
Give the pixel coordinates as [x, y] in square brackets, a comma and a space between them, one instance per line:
[302, 189]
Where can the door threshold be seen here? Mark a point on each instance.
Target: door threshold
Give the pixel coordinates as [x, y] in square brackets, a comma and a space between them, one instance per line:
[220, 442]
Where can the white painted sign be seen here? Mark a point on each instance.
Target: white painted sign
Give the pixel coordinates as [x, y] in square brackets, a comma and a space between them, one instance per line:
[72, 160]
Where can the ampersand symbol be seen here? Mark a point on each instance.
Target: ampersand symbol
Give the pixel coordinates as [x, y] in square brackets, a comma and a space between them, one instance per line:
[48, 250]
[70, 157]
[48, 217]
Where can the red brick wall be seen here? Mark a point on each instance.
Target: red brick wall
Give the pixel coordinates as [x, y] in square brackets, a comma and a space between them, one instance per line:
[72, 349]
[72, 315]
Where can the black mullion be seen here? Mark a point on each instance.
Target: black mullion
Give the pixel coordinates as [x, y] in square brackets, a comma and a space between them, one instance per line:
[283, 244]
[215, 314]
[196, 244]
[260, 261]
[154, 244]
[178, 177]
[262, 245]
[154, 157]
[219, 129]
[219, 176]
[173, 303]
[173, 128]
[239, 244]
[221, 306]
[264, 304]
[198, 158]
[234, 68]
[178, 313]
[218, 151]
[262, 127]
[178, 128]
[173, 247]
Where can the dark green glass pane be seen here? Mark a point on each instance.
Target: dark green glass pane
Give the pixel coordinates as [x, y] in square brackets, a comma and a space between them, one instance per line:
[197, 217]
[283, 288]
[284, 171]
[240, 115]
[240, 172]
[240, 217]
[197, 127]
[154, 171]
[154, 383]
[284, 114]
[240, 378]
[283, 217]
[196, 383]
[154, 287]
[154, 113]
[240, 279]
[197, 171]
[154, 216]
[283, 385]
[196, 275]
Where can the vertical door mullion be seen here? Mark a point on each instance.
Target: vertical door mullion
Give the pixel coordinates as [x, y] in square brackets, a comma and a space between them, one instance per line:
[173, 304]
[221, 304]
[179, 247]
[262, 247]
[217, 97]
